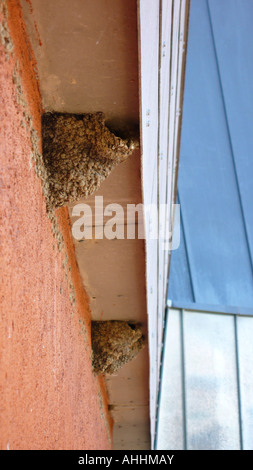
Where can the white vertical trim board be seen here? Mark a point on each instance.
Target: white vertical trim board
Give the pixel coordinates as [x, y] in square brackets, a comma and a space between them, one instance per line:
[163, 26]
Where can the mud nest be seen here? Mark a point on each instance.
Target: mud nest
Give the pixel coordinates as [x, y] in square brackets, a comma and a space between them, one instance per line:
[114, 343]
[79, 152]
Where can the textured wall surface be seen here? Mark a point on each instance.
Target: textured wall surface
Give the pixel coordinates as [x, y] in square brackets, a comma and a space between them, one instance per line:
[49, 398]
[87, 59]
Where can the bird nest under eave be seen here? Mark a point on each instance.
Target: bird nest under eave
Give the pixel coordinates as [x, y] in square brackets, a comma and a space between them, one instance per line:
[79, 152]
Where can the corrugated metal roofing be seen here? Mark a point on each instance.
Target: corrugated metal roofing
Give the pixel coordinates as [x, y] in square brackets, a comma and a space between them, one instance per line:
[215, 188]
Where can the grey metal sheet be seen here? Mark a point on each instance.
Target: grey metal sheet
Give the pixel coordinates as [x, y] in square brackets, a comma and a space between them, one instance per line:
[170, 430]
[210, 382]
[211, 202]
[245, 352]
[199, 398]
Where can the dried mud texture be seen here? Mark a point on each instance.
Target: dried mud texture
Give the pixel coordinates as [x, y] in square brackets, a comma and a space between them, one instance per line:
[5, 37]
[79, 152]
[114, 343]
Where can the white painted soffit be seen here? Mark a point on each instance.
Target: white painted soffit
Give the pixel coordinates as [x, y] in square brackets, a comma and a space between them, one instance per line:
[163, 27]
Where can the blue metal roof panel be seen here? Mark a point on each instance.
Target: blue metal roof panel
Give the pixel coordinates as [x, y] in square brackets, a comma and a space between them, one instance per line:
[180, 279]
[215, 172]
[234, 49]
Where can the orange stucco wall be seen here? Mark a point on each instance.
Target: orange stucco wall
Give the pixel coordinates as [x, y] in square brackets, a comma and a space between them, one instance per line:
[49, 398]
